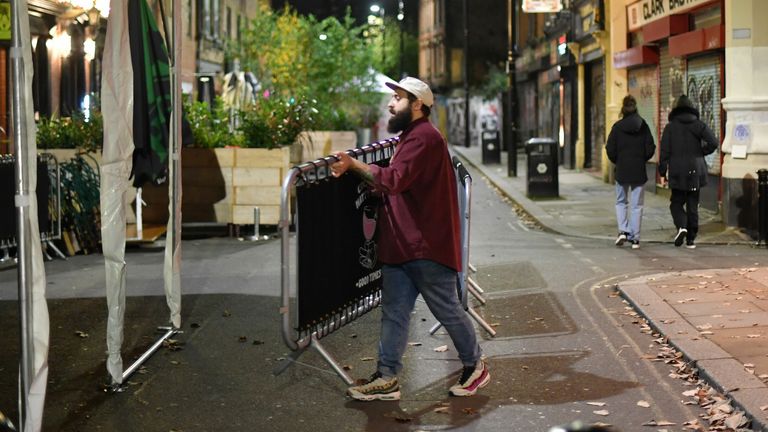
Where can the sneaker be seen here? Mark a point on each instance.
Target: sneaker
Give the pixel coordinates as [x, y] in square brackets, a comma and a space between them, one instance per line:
[621, 238]
[472, 379]
[690, 245]
[680, 237]
[635, 244]
[376, 388]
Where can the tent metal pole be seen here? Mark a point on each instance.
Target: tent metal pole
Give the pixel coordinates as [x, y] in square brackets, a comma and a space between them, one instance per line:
[170, 331]
[19, 11]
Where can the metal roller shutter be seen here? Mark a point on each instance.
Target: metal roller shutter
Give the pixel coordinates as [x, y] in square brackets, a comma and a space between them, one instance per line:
[597, 112]
[705, 90]
[643, 84]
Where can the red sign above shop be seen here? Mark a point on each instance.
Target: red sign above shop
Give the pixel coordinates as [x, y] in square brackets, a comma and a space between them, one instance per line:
[646, 11]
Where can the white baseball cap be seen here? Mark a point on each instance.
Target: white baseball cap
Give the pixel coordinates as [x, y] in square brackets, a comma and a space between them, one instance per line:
[417, 87]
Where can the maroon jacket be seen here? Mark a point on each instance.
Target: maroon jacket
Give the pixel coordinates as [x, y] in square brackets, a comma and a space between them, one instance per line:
[420, 214]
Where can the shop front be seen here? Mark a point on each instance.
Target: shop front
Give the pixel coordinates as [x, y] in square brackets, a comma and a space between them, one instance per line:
[677, 49]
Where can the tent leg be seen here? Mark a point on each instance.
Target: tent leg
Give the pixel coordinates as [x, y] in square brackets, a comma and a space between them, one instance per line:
[170, 331]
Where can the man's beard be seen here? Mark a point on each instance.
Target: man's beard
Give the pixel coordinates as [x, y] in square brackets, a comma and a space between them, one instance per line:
[400, 120]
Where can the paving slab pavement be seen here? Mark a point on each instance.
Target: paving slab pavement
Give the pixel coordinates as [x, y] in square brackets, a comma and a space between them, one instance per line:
[718, 318]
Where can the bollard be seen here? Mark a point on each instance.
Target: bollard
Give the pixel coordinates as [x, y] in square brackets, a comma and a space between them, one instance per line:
[762, 207]
[256, 222]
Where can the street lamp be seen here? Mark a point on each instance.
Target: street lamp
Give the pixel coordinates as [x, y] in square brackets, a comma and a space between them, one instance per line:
[400, 17]
[376, 9]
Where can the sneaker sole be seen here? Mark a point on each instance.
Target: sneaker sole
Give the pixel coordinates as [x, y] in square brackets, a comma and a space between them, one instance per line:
[394, 396]
[680, 237]
[635, 246]
[620, 242]
[690, 246]
[464, 392]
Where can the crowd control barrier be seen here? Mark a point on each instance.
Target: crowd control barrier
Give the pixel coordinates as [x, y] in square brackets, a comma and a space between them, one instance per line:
[48, 198]
[338, 273]
[466, 284]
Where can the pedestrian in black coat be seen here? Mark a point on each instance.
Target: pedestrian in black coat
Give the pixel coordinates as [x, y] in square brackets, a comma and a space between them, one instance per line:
[684, 143]
[630, 144]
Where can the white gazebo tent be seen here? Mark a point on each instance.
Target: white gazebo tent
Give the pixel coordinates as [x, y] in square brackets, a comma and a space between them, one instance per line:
[117, 108]
[117, 95]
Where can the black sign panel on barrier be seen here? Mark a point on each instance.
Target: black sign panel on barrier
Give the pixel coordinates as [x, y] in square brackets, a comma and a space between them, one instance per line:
[337, 261]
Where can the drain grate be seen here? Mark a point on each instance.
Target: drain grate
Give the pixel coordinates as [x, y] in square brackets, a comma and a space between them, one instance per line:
[503, 277]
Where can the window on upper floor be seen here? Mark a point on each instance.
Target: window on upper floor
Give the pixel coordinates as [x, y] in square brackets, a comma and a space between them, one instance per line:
[209, 19]
[229, 22]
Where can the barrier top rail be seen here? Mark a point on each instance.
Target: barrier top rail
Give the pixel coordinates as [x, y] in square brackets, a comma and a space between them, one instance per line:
[302, 174]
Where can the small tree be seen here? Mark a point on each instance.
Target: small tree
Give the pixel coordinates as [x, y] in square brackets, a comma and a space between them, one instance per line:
[326, 63]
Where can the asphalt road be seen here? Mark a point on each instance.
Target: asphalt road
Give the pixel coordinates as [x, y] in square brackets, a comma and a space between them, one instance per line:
[567, 347]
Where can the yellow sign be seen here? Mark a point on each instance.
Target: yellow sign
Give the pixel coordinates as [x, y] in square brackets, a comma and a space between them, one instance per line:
[542, 6]
[5, 21]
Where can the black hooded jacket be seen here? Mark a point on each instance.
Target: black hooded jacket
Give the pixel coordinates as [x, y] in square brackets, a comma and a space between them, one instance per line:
[684, 143]
[629, 145]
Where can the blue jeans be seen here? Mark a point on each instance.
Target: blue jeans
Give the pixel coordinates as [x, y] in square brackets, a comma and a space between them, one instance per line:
[629, 209]
[437, 285]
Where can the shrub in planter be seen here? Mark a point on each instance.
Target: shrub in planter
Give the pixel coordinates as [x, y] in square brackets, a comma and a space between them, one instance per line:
[71, 132]
[210, 125]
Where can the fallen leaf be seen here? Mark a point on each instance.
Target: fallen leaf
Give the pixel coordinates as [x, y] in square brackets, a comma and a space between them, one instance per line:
[596, 403]
[469, 411]
[414, 343]
[441, 348]
[643, 404]
[81, 334]
[226, 314]
[442, 410]
[366, 359]
[601, 412]
[242, 339]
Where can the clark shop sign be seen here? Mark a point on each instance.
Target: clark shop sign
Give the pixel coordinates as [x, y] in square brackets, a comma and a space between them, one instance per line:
[646, 11]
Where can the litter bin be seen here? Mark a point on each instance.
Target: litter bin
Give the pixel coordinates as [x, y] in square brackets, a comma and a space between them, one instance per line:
[541, 177]
[489, 139]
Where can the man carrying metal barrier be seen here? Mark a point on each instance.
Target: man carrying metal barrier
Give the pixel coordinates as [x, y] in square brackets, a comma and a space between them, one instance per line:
[419, 242]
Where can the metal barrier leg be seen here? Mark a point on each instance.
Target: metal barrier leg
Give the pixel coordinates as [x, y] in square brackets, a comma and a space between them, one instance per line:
[294, 355]
[6, 254]
[472, 268]
[482, 322]
[44, 249]
[487, 327]
[474, 285]
[472, 290]
[55, 249]
[331, 361]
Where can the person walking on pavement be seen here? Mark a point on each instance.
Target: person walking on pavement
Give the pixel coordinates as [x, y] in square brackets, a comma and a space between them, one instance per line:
[419, 243]
[630, 144]
[684, 143]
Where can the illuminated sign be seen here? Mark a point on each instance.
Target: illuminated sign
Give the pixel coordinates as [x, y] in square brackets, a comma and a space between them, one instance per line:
[645, 11]
[542, 6]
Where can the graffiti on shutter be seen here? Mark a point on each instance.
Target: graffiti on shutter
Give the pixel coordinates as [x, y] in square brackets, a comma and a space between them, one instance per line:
[672, 76]
[705, 90]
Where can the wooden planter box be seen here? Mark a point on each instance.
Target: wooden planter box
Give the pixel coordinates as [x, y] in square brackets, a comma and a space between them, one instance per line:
[224, 185]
